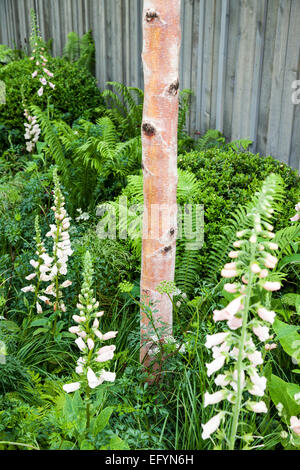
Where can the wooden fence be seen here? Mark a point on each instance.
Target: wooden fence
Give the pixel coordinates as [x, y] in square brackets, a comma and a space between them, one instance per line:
[239, 57]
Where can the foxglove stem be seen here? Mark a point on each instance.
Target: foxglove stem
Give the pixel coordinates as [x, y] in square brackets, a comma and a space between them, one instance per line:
[237, 406]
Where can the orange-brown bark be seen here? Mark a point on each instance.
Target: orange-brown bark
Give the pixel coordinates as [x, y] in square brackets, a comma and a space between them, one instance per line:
[161, 27]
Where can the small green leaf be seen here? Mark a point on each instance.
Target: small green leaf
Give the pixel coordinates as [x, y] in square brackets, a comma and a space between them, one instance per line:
[86, 445]
[116, 443]
[101, 420]
[283, 392]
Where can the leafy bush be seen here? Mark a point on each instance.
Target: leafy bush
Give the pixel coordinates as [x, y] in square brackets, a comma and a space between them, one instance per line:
[76, 93]
[228, 179]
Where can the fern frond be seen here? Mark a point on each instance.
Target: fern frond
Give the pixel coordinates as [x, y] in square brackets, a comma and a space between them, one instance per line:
[55, 149]
[243, 218]
[71, 51]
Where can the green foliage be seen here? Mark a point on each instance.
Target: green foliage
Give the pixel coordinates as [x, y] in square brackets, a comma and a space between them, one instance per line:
[81, 50]
[226, 182]
[8, 55]
[75, 93]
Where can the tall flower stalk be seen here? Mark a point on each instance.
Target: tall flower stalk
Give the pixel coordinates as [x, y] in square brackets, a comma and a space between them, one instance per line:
[237, 348]
[91, 365]
[52, 268]
[41, 72]
[61, 248]
[40, 265]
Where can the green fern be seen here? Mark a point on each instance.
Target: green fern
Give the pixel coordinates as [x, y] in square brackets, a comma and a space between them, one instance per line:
[80, 50]
[71, 51]
[240, 220]
[54, 149]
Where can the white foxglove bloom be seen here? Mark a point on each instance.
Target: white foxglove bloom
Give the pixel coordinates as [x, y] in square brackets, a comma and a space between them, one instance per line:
[257, 406]
[71, 387]
[266, 315]
[211, 426]
[215, 365]
[212, 399]
[74, 329]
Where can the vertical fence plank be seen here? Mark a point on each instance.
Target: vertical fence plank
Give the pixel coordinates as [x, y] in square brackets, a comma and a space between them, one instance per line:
[281, 41]
[239, 57]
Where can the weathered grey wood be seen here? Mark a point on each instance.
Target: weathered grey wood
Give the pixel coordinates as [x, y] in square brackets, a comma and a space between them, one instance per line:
[222, 66]
[261, 19]
[283, 21]
[291, 74]
[239, 57]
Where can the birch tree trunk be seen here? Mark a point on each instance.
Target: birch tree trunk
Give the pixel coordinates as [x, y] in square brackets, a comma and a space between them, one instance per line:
[162, 35]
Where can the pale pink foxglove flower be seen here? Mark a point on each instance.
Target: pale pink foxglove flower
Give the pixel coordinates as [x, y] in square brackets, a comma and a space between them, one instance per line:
[234, 323]
[270, 261]
[93, 380]
[74, 329]
[80, 343]
[231, 288]
[228, 273]
[39, 308]
[259, 384]
[109, 335]
[107, 376]
[30, 277]
[40, 91]
[79, 319]
[255, 268]
[271, 286]
[295, 425]
[66, 284]
[215, 340]
[266, 315]
[222, 380]
[228, 312]
[28, 289]
[269, 347]
[106, 353]
[90, 343]
[262, 332]
[255, 358]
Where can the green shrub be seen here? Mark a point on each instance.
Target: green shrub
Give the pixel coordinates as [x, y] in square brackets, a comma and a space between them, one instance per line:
[227, 179]
[76, 93]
